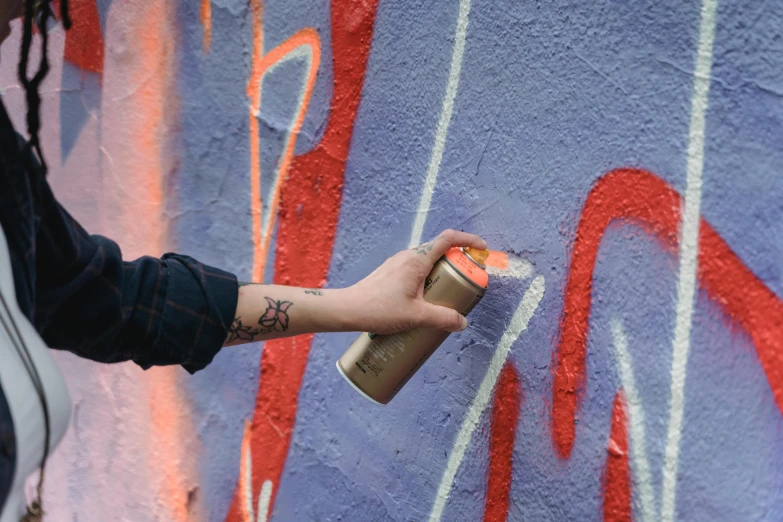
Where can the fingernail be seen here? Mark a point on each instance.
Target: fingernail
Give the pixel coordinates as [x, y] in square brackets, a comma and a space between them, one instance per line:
[464, 323]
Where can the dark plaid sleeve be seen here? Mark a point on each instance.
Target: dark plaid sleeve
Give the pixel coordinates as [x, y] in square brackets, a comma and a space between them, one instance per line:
[172, 310]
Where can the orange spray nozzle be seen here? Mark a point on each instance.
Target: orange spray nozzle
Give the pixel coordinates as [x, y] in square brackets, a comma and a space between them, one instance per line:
[478, 255]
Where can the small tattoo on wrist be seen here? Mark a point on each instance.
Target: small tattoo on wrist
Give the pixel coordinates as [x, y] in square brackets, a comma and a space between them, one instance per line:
[427, 247]
[314, 292]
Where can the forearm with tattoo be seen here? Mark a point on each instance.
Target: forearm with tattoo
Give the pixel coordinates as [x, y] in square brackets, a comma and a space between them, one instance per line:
[388, 300]
[274, 318]
[265, 312]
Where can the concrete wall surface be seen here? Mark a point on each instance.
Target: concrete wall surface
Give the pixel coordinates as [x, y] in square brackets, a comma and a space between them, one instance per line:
[625, 160]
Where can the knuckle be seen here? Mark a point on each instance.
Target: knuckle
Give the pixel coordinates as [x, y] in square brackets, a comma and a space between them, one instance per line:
[448, 235]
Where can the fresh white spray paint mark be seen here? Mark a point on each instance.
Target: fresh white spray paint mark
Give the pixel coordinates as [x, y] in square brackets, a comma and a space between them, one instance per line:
[689, 250]
[443, 123]
[518, 324]
[517, 269]
[248, 482]
[640, 464]
[301, 52]
[264, 498]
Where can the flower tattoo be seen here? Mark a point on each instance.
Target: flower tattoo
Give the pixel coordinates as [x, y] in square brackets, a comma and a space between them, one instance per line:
[276, 315]
[274, 318]
[238, 331]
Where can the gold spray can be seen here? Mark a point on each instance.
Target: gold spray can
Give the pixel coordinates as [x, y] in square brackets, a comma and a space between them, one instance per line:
[378, 366]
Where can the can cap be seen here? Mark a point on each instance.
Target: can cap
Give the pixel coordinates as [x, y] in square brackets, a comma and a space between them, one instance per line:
[478, 255]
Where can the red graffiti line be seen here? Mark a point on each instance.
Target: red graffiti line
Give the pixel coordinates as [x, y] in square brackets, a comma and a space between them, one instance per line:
[505, 417]
[645, 200]
[309, 208]
[616, 477]
[84, 41]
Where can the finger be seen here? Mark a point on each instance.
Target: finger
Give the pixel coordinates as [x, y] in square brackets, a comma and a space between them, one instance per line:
[449, 239]
[442, 318]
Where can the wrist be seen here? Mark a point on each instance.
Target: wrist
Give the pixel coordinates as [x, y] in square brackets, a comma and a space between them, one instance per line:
[345, 310]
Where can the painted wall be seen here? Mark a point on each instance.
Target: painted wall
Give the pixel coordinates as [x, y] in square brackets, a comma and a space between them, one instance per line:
[626, 159]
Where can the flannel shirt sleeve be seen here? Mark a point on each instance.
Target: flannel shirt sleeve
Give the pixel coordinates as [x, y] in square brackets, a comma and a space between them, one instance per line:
[172, 310]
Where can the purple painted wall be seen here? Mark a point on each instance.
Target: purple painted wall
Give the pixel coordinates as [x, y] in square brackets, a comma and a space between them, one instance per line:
[649, 383]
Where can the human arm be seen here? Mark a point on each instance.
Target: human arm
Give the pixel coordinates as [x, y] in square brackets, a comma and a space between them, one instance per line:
[175, 310]
[83, 297]
[390, 299]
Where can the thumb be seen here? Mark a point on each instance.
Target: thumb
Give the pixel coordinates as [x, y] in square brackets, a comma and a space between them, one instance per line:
[442, 318]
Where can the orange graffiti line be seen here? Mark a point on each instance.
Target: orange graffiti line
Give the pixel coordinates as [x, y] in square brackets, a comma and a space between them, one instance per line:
[206, 21]
[171, 455]
[254, 86]
[497, 259]
[156, 53]
[309, 38]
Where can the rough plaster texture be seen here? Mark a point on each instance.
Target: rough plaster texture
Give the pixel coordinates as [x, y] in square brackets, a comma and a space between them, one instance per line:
[567, 148]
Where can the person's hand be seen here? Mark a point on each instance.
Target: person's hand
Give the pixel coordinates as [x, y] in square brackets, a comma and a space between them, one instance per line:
[391, 299]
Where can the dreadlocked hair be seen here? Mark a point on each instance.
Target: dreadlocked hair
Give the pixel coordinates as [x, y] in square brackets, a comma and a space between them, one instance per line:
[38, 12]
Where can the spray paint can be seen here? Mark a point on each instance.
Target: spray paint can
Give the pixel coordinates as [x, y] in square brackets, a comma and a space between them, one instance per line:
[378, 366]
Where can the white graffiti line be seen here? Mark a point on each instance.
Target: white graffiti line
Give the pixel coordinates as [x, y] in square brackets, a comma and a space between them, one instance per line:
[247, 511]
[443, 123]
[689, 249]
[246, 476]
[518, 324]
[638, 447]
[264, 498]
[302, 52]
